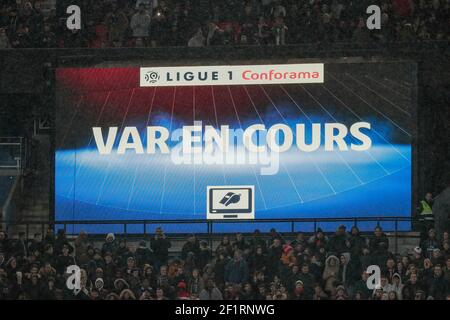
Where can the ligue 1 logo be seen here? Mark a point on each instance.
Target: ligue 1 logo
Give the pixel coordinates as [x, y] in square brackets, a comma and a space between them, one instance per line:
[151, 76]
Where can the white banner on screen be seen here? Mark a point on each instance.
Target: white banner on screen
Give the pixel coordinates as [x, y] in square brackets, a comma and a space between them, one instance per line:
[232, 75]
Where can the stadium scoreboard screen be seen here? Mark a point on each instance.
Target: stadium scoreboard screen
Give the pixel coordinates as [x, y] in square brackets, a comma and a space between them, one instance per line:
[312, 140]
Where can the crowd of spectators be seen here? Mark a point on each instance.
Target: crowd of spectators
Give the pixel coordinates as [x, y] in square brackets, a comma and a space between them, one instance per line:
[196, 23]
[259, 266]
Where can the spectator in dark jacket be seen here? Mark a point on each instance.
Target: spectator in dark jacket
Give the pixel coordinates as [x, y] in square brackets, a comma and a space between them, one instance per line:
[236, 270]
[437, 285]
[110, 244]
[378, 237]
[143, 255]
[430, 244]
[411, 287]
[64, 260]
[192, 245]
[357, 242]
[160, 246]
[338, 242]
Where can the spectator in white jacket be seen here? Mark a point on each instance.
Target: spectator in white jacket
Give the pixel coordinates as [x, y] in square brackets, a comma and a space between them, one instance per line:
[396, 286]
[140, 24]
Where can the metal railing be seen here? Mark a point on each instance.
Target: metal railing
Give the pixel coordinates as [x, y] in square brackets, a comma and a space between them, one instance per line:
[291, 225]
[12, 154]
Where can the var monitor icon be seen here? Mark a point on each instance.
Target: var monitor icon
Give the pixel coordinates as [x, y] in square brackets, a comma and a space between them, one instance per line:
[230, 202]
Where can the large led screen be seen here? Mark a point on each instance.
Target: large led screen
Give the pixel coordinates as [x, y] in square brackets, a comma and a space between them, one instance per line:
[135, 143]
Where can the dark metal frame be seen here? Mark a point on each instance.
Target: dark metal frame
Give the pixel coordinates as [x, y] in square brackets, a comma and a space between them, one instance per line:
[210, 234]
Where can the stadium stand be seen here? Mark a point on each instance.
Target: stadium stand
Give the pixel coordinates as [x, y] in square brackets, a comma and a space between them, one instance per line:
[270, 266]
[35, 24]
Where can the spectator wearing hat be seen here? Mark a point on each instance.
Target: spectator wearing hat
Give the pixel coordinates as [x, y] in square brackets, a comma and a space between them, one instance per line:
[112, 296]
[348, 270]
[110, 244]
[99, 286]
[287, 257]
[396, 286]
[341, 293]
[299, 291]
[331, 273]
[417, 257]
[149, 275]
[127, 294]
[119, 285]
[182, 292]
